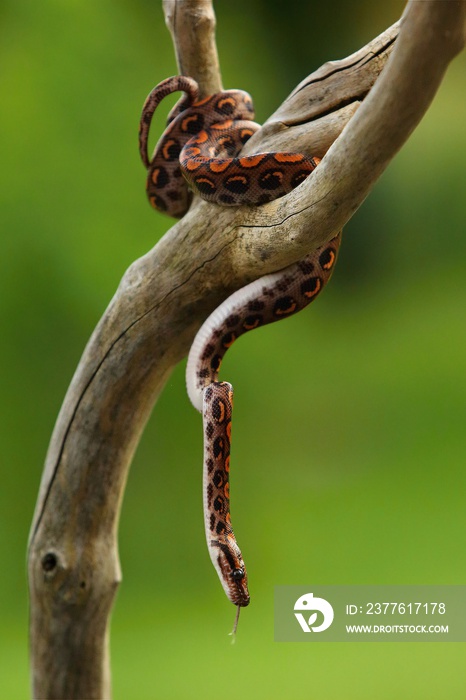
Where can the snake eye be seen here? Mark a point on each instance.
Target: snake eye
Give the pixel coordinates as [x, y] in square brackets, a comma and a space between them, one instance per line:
[237, 574]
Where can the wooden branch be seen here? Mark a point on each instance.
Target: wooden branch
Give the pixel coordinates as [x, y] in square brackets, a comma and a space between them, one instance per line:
[164, 296]
[329, 91]
[432, 33]
[192, 27]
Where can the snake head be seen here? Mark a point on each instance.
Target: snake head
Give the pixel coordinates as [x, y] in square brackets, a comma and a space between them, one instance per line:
[228, 561]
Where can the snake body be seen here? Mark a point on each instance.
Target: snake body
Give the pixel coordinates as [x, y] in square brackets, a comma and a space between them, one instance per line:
[200, 150]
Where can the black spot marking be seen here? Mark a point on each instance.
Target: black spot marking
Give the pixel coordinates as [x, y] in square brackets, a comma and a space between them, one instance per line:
[205, 185]
[203, 373]
[226, 199]
[245, 135]
[218, 504]
[218, 479]
[210, 493]
[219, 446]
[252, 321]
[173, 151]
[193, 126]
[209, 431]
[271, 179]
[157, 202]
[163, 178]
[212, 521]
[283, 284]
[225, 106]
[218, 410]
[225, 145]
[264, 199]
[228, 339]
[306, 267]
[208, 350]
[238, 184]
[216, 362]
[174, 195]
[256, 305]
[220, 527]
[210, 465]
[208, 393]
[310, 286]
[225, 141]
[232, 320]
[326, 257]
[284, 305]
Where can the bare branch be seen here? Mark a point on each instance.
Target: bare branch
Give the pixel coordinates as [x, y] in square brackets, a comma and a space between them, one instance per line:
[164, 296]
[432, 34]
[192, 26]
[333, 85]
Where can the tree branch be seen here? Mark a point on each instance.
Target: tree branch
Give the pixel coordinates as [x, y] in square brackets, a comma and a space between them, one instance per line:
[192, 27]
[164, 296]
[431, 35]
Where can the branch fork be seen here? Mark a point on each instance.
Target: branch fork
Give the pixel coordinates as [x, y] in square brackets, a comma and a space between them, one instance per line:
[358, 113]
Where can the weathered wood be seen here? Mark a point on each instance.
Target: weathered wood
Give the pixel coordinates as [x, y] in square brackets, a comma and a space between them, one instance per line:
[165, 295]
[192, 27]
[325, 98]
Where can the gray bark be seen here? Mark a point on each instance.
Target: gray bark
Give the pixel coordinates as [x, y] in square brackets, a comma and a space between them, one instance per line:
[352, 112]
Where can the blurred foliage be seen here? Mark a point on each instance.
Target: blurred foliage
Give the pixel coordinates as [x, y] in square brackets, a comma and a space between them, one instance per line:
[349, 437]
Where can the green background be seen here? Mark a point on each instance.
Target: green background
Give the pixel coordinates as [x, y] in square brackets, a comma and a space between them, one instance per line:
[349, 431]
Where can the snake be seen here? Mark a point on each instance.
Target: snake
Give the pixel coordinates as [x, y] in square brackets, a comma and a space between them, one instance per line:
[200, 153]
